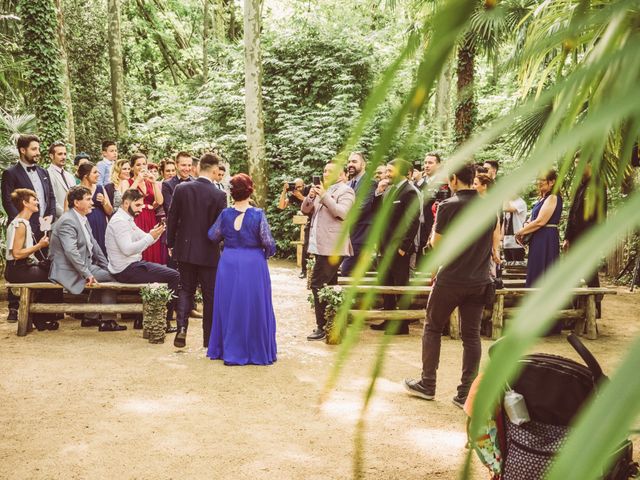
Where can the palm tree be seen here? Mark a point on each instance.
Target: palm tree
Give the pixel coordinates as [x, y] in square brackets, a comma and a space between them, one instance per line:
[11, 126]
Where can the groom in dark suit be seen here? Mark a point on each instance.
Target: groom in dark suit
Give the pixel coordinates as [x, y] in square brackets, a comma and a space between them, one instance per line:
[194, 208]
[27, 174]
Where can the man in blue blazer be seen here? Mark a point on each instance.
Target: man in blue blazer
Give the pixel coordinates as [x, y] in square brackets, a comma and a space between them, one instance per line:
[194, 208]
[26, 173]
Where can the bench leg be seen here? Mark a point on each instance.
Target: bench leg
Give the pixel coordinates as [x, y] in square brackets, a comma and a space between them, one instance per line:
[579, 327]
[590, 314]
[24, 325]
[497, 318]
[454, 325]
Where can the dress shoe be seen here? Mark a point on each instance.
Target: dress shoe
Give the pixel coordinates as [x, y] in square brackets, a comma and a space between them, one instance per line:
[302, 275]
[89, 322]
[417, 389]
[137, 323]
[40, 325]
[317, 334]
[54, 325]
[379, 326]
[111, 326]
[13, 315]
[403, 329]
[181, 338]
[195, 314]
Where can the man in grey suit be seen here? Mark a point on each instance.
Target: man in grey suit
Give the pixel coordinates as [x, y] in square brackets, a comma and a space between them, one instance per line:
[61, 180]
[329, 208]
[76, 258]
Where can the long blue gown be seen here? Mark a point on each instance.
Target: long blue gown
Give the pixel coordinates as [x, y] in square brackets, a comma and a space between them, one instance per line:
[244, 324]
[544, 248]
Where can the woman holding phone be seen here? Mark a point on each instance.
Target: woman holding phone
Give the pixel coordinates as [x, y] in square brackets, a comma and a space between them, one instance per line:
[145, 181]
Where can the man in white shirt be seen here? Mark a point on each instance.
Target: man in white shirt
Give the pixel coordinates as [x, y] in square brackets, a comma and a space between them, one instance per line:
[109, 157]
[125, 242]
[61, 180]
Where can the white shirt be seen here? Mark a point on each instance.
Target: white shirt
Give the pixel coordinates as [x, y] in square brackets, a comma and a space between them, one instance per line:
[37, 186]
[125, 241]
[11, 233]
[86, 228]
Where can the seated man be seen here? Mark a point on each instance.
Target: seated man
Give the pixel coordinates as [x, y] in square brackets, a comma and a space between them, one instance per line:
[125, 242]
[76, 259]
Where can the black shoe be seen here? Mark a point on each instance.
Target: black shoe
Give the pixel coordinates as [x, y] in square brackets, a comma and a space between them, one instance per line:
[302, 275]
[415, 388]
[137, 324]
[89, 322]
[111, 326]
[317, 334]
[380, 326]
[181, 338]
[52, 325]
[13, 315]
[459, 401]
[40, 325]
[403, 329]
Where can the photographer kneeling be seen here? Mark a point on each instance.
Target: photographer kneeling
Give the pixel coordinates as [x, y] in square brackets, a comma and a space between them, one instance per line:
[294, 193]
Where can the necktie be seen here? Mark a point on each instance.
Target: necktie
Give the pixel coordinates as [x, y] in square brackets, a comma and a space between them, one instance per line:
[64, 179]
[31, 169]
[353, 184]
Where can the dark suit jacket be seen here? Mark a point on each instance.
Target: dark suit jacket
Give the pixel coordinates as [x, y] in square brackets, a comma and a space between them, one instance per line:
[194, 209]
[366, 210]
[15, 177]
[402, 227]
[429, 193]
[168, 186]
[577, 224]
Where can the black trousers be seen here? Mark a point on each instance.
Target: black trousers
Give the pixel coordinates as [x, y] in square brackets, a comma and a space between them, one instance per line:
[442, 301]
[324, 273]
[398, 276]
[190, 276]
[148, 272]
[305, 247]
[20, 271]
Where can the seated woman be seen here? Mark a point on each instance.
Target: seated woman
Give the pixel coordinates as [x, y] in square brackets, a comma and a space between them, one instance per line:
[244, 324]
[25, 258]
[544, 246]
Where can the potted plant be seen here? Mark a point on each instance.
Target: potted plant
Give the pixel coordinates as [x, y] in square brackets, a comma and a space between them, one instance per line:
[154, 311]
[334, 297]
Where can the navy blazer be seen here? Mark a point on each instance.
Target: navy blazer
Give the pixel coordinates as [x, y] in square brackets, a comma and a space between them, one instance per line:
[367, 208]
[168, 186]
[16, 177]
[402, 227]
[194, 209]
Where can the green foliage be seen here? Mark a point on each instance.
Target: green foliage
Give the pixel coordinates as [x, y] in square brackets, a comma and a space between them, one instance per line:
[41, 48]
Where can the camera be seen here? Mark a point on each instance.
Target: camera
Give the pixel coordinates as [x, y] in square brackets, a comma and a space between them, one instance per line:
[443, 193]
[316, 180]
[291, 186]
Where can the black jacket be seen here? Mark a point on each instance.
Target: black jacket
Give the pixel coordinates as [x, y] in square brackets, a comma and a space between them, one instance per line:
[402, 226]
[577, 224]
[168, 186]
[15, 177]
[366, 210]
[194, 209]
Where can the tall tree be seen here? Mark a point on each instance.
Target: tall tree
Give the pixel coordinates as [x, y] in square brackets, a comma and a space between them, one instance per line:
[253, 99]
[466, 108]
[40, 44]
[205, 41]
[117, 70]
[66, 78]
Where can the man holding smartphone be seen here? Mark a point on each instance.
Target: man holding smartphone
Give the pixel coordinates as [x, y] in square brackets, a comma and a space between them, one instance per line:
[125, 242]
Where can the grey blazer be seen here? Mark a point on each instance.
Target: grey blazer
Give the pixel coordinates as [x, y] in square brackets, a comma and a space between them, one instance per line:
[328, 219]
[71, 261]
[59, 188]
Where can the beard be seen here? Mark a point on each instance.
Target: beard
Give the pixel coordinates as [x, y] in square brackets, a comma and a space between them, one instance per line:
[132, 213]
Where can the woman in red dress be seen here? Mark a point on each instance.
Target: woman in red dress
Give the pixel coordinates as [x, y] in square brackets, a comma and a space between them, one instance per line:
[144, 181]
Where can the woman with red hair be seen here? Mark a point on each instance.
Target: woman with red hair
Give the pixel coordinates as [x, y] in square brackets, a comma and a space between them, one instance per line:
[244, 325]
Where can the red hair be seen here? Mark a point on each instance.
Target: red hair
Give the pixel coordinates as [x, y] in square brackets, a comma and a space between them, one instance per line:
[241, 186]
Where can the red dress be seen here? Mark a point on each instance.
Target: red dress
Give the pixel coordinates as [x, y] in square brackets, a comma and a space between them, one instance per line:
[146, 221]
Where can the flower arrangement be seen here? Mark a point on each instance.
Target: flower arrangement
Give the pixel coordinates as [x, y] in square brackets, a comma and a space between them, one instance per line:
[154, 311]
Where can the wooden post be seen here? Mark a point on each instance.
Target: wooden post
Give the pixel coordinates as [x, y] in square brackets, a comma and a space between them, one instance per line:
[590, 313]
[301, 220]
[23, 312]
[579, 328]
[454, 325]
[497, 317]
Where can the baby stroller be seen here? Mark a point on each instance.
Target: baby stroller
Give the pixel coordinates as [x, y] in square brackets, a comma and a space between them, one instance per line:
[533, 419]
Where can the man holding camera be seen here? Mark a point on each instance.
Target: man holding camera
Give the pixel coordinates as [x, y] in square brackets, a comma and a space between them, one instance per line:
[293, 193]
[328, 208]
[125, 242]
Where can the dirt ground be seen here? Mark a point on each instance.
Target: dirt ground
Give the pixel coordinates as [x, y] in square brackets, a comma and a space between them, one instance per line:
[80, 404]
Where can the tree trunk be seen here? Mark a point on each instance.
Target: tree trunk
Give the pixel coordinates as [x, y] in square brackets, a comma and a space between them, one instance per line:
[66, 79]
[466, 108]
[443, 100]
[253, 99]
[205, 38]
[117, 70]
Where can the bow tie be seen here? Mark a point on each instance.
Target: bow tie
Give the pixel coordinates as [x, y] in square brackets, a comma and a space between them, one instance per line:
[183, 180]
[31, 169]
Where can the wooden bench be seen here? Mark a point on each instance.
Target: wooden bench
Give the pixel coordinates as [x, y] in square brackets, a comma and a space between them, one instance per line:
[584, 314]
[27, 306]
[422, 281]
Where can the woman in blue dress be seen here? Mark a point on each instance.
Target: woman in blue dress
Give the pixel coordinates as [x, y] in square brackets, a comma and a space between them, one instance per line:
[244, 324]
[544, 246]
[102, 209]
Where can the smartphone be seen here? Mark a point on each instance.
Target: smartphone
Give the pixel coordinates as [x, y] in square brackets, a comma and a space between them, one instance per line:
[316, 179]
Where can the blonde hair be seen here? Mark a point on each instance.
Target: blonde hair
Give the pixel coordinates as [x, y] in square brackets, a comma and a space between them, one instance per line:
[116, 170]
